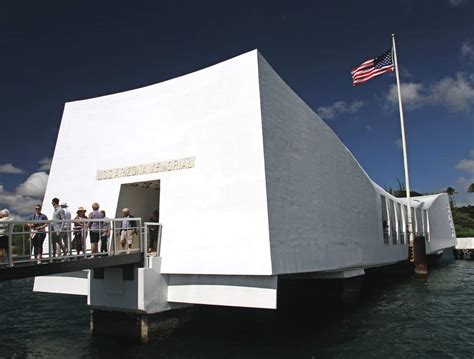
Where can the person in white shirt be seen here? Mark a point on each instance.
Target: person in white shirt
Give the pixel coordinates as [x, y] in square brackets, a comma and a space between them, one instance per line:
[67, 226]
[4, 230]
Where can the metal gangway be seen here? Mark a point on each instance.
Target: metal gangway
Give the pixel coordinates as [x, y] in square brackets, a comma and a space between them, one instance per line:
[37, 248]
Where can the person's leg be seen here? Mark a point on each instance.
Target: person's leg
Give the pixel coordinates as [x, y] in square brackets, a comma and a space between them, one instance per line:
[83, 244]
[34, 245]
[123, 238]
[95, 236]
[78, 243]
[94, 246]
[41, 238]
[103, 244]
[4, 247]
[54, 242]
[130, 238]
[66, 242]
[61, 243]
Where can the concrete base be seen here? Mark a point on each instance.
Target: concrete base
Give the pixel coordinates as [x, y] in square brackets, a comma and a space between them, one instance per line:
[315, 292]
[136, 327]
[129, 326]
[421, 261]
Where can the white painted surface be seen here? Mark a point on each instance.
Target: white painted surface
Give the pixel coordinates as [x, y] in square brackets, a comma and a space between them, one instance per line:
[147, 292]
[153, 289]
[322, 206]
[215, 214]
[273, 190]
[339, 274]
[465, 243]
[236, 291]
[75, 283]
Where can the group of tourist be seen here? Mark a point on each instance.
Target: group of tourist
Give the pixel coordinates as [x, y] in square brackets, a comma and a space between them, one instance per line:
[96, 225]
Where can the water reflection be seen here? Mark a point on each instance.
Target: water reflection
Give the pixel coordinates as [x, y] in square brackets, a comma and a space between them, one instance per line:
[398, 317]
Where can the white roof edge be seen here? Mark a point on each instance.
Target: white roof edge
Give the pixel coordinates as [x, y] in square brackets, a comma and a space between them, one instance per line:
[426, 200]
[77, 102]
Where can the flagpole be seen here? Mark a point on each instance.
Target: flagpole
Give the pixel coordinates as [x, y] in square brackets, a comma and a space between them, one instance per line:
[404, 146]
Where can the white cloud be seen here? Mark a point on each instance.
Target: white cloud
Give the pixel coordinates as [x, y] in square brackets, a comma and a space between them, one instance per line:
[412, 96]
[339, 108]
[9, 168]
[463, 197]
[45, 164]
[26, 195]
[456, 94]
[34, 186]
[466, 165]
[456, 3]
[465, 182]
[17, 204]
[398, 143]
[404, 72]
[467, 51]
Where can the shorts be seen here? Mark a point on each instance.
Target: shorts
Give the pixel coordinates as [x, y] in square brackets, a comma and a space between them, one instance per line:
[95, 236]
[126, 236]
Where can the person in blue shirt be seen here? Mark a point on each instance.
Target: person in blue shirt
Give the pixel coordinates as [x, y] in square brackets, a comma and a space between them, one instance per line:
[128, 229]
[38, 232]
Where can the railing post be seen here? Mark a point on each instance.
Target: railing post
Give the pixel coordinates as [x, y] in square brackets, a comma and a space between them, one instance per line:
[112, 238]
[140, 237]
[69, 237]
[158, 241]
[9, 245]
[83, 239]
[50, 243]
[145, 244]
[23, 240]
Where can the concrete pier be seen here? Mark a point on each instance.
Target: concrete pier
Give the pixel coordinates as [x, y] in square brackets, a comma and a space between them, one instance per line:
[421, 263]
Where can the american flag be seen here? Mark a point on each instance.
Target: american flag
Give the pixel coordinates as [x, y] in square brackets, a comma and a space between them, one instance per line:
[372, 68]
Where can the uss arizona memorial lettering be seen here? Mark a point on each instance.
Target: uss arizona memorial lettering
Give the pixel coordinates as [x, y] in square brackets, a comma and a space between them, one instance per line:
[174, 165]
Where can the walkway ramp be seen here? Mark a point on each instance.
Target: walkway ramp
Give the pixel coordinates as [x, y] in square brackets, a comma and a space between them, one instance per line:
[21, 260]
[27, 270]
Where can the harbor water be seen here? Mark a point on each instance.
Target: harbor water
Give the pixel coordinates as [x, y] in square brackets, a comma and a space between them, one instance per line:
[405, 317]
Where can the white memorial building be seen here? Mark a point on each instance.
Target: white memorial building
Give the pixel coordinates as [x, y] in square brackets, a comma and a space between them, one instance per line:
[250, 183]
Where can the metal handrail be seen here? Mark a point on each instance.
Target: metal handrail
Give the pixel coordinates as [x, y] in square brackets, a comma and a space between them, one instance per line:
[66, 233]
[146, 239]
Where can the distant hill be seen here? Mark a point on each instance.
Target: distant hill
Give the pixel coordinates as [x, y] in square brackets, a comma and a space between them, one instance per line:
[464, 221]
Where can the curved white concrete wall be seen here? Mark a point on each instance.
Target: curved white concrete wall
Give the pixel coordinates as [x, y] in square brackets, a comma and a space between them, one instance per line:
[273, 189]
[215, 214]
[323, 209]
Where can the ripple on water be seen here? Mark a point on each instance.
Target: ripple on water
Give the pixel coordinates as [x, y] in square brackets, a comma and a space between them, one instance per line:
[409, 318]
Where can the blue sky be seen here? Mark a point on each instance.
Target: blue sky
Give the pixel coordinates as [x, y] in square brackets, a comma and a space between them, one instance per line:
[57, 51]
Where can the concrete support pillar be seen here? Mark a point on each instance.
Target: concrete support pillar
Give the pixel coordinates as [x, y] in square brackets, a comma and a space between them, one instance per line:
[130, 326]
[144, 332]
[421, 262]
[351, 288]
